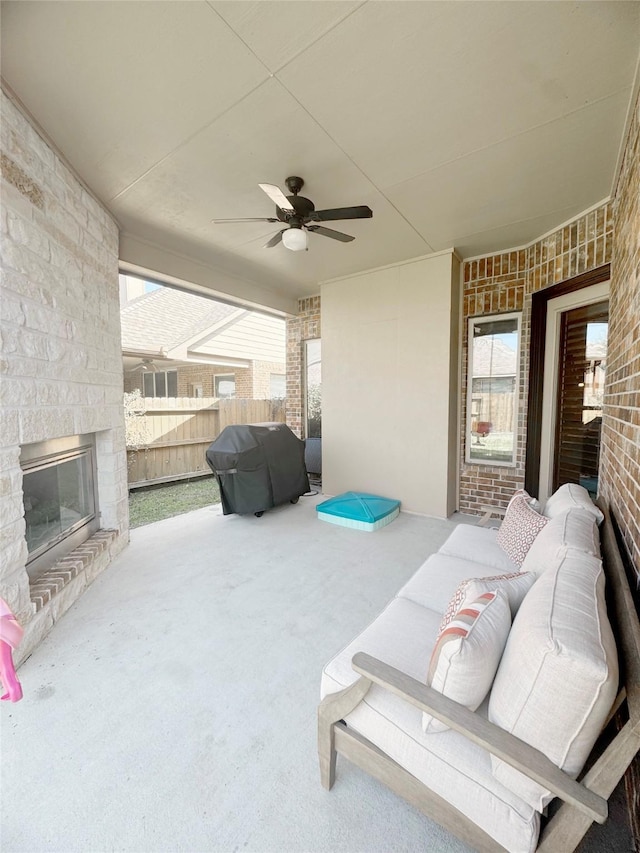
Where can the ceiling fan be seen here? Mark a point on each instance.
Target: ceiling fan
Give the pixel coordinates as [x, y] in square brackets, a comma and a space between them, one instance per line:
[144, 364]
[300, 216]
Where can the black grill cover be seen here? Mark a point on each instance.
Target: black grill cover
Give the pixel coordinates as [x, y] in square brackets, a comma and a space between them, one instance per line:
[257, 466]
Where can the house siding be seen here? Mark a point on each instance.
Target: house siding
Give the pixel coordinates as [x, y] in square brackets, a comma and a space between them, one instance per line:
[60, 349]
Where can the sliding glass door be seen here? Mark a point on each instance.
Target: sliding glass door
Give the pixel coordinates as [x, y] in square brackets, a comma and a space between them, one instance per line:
[581, 374]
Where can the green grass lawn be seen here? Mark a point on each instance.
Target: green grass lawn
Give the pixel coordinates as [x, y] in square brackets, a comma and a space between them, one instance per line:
[169, 499]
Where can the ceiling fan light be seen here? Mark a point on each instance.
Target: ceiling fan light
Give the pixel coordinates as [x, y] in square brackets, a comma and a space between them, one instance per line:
[295, 239]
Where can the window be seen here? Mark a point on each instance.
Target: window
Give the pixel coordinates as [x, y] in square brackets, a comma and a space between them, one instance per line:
[163, 383]
[225, 385]
[313, 389]
[494, 355]
[277, 386]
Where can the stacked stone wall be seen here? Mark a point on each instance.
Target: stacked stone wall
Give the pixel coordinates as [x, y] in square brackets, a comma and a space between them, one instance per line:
[60, 337]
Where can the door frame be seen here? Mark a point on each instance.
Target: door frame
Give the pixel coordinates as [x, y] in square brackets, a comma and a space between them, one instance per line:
[537, 350]
[556, 308]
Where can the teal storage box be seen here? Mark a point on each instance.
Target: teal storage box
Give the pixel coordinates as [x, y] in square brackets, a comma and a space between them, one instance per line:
[359, 510]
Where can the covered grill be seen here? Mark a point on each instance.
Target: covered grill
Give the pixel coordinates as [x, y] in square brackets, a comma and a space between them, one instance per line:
[258, 466]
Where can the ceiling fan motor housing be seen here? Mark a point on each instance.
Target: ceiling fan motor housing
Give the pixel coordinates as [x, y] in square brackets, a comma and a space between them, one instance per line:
[301, 205]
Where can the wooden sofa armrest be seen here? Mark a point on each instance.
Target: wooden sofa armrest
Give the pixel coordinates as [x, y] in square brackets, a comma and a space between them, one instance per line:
[500, 743]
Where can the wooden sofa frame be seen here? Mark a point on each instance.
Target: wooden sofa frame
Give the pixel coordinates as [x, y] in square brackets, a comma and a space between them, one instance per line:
[582, 802]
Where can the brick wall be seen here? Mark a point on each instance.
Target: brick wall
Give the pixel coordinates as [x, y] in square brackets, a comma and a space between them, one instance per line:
[303, 327]
[506, 282]
[60, 341]
[196, 374]
[620, 453]
[252, 383]
[262, 371]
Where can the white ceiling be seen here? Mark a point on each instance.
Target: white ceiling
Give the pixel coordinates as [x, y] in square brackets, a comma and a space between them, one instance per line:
[474, 125]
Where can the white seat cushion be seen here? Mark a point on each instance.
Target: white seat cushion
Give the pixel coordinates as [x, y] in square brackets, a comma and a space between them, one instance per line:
[402, 635]
[558, 675]
[449, 764]
[574, 528]
[571, 496]
[436, 580]
[478, 544]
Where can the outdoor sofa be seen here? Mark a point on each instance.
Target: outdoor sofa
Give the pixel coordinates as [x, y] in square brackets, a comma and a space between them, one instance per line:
[480, 702]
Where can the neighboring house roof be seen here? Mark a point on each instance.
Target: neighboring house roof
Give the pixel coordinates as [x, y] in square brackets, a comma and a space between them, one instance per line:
[166, 317]
[492, 357]
[187, 327]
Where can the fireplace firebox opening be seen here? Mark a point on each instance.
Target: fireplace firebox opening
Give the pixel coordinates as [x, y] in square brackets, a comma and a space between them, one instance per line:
[60, 498]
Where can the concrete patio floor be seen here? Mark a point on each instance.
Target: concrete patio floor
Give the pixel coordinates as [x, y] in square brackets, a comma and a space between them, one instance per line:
[173, 708]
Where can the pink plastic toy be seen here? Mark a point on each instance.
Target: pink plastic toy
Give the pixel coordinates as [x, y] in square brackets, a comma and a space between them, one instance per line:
[10, 636]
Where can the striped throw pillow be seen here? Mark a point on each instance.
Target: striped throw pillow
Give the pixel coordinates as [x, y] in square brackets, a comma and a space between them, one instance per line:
[466, 654]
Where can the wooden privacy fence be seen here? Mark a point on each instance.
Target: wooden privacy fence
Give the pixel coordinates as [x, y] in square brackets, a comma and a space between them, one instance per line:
[495, 408]
[176, 431]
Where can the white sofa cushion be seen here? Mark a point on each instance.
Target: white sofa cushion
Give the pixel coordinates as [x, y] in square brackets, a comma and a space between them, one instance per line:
[571, 496]
[467, 652]
[402, 635]
[453, 767]
[515, 585]
[436, 580]
[519, 529]
[574, 528]
[558, 675]
[478, 544]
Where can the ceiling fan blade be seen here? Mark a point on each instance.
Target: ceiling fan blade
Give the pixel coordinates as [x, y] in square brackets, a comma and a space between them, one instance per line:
[277, 196]
[359, 212]
[329, 232]
[257, 219]
[274, 240]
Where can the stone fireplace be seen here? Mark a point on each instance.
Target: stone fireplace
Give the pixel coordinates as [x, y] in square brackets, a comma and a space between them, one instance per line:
[63, 467]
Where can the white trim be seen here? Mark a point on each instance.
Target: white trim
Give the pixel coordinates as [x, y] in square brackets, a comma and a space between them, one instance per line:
[305, 378]
[471, 322]
[227, 376]
[555, 308]
[193, 342]
[215, 360]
